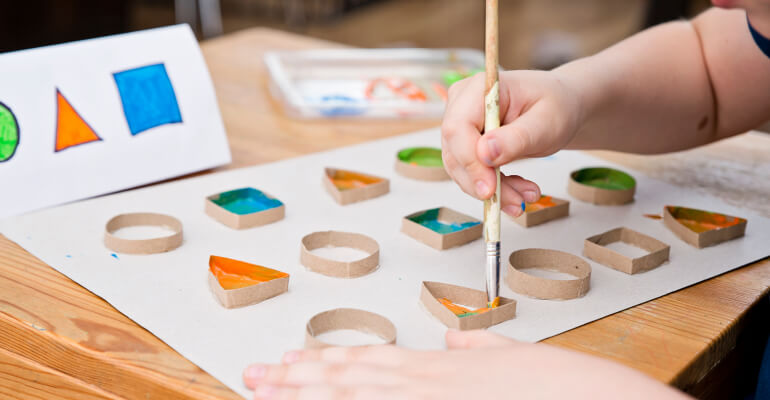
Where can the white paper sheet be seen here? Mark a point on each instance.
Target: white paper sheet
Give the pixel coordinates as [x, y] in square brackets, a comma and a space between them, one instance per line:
[168, 293]
[37, 176]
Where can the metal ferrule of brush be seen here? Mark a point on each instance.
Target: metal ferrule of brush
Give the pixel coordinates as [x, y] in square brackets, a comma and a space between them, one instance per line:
[493, 270]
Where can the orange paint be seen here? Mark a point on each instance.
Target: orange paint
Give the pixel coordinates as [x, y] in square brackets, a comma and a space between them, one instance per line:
[71, 129]
[653, 216]
[461, 311]
[234, 274]
[543, 202]
[700, 221]
[344, 180]
[400, 87]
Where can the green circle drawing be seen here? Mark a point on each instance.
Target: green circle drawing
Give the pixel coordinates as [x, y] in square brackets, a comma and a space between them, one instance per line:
[9, 133]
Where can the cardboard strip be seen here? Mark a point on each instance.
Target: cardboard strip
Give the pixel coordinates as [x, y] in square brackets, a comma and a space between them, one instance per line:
[546, 209]
[441, 228]
[362, 186]
[241, 284]
[339, 269]
[422, 163]
[725, 227]
[143, 246]
[603, 186]
[244, 208]
[549, 260]
[430, 292]
[348, 318]
[594, 248]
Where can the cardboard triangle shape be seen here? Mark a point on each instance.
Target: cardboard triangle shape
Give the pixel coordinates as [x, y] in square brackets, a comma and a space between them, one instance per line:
[702, 228]
[71, 129]
[435, 297]
[237, 283]
[349, 186]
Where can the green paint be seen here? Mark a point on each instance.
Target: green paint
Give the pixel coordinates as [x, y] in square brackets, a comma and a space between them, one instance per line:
[9, 133]
[453, 76]
[430, 220]
[245, 201]
[422, 156]
[604, 178]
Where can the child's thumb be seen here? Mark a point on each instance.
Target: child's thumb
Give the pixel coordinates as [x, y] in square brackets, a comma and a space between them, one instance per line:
[512, 141]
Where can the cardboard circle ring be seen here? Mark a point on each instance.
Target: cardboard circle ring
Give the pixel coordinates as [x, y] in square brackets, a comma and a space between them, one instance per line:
[339, 269]
[143, 246]
[549, 260]
[348, 318]
[420, 172]
[600, 195]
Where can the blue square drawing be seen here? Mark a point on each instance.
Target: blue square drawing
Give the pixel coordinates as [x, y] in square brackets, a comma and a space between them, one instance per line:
[148, 97]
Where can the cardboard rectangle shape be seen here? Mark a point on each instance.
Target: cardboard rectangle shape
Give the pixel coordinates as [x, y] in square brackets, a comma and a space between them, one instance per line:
[602, 186]
[441, 228]
[244, 208]
[246, 291]
[430, 292]
[733, 227]
[595, 248]
[348, 318]
[363, 186]
[559, 209]
[548, 260]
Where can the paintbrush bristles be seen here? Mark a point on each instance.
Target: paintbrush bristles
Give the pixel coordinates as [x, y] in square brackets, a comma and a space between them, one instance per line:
[492, 116]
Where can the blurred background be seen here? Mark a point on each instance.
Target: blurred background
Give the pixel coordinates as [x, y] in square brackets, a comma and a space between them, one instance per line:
[534, 33]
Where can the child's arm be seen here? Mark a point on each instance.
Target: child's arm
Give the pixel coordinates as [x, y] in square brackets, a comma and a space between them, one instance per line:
[672, 87]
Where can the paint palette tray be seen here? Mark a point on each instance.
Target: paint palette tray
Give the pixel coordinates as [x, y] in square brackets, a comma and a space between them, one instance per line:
[368, 83]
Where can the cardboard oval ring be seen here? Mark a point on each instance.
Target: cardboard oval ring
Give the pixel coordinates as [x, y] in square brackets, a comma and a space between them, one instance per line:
[340, 269]
[419, 172]
[348, 318]
[600, 196]
[143, 246]
[550, 260]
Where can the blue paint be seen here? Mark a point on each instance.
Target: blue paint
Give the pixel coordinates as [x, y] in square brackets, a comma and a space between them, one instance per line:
[523, 206]
[67, 256]
[762, 42]
[115, 256]
[336, 110]
[148, 97]
[429, 219]
[245, 201]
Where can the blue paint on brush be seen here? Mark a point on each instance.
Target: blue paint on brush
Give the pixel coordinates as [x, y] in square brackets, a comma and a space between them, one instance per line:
[115, 256]
[245, 201]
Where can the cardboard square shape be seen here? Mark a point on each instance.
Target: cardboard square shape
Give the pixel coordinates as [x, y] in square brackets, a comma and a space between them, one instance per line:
[602, 186]
[335, 268]
[143, 246]
[549, 260]
[236, 283]
[349, 186]
[594, 248]
[422, 163]
[442, 227]
[702, 228]
[348, 318]
[430, 292]
[244, 208]
[547, 208]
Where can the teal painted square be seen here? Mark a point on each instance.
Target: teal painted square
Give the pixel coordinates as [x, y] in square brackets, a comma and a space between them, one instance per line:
[245, 201]
[429, 219]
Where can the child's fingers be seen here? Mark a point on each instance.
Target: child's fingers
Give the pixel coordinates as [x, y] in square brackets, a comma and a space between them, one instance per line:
[528, 190]
[512, 202]
[460, 162]
[379, 355]
[327, 392]
[475, 339]
[516, 140]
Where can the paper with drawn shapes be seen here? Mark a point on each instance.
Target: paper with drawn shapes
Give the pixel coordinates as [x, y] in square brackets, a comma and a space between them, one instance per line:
[82, 119]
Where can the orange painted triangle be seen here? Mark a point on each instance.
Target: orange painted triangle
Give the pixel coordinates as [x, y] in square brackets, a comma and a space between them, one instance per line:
[71, 129]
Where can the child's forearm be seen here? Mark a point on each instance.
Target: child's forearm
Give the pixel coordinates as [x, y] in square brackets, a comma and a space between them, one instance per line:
[672, 87]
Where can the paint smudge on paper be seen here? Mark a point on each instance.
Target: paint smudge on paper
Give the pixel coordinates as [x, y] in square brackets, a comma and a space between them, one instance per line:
[604, 178]
[422, 156]
[542, 203]
[345, 180]
[115, 256]
[9, 133]
[461, 311]
[700, 221]
[430, 219]
[245, 201]
[234, 274]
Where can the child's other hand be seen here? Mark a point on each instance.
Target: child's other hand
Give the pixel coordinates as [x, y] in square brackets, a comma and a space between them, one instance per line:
[478, 365]
[539, 115]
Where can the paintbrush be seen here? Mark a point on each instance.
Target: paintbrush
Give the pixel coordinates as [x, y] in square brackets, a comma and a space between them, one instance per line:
[492, 121]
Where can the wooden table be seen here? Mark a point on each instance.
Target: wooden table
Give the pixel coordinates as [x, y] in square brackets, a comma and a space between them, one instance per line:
[58, 340]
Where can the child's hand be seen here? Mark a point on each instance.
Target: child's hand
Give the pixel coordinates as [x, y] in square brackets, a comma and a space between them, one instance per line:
[478, 365]
[539, 115]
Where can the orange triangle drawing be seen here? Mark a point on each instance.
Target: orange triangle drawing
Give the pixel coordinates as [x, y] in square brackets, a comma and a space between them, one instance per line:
[71, 129]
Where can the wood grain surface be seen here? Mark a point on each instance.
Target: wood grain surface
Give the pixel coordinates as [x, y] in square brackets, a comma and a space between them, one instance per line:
[59, 341]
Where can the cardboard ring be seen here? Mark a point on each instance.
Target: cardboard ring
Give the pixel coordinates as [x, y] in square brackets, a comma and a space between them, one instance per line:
[340, 269]
[143, 246]
[597, 195]
[348, 318]
[551, 260]
[419, 172]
